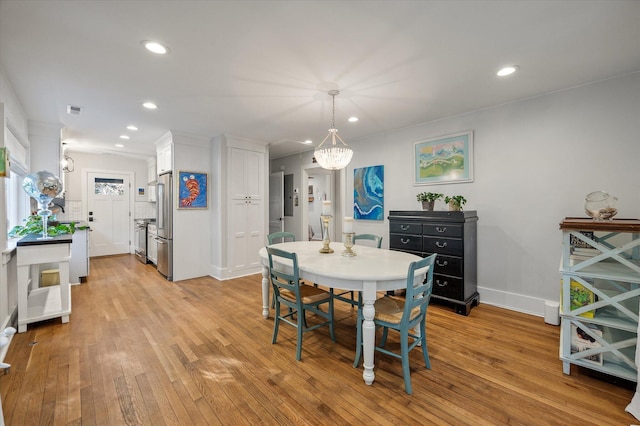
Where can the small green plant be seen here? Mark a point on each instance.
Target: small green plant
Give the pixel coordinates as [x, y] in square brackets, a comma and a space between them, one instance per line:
[455, 201]
[33, 225]
[429, 196]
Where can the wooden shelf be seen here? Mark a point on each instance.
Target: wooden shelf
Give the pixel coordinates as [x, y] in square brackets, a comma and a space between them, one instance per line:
[46, 303]
[588, 224]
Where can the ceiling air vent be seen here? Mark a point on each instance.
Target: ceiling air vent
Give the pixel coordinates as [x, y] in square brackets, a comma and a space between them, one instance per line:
[72, 109]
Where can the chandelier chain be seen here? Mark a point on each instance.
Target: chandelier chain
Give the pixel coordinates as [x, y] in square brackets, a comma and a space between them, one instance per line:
[333, 112]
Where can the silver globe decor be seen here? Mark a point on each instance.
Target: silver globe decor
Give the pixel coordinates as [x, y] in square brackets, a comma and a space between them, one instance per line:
[43, 187]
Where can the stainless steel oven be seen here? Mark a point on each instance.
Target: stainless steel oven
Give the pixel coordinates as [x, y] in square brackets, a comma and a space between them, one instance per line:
[140, 240]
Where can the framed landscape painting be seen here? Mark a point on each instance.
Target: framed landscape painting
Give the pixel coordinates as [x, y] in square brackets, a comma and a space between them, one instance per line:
[192, 190]
[368, 193]
[445, 159]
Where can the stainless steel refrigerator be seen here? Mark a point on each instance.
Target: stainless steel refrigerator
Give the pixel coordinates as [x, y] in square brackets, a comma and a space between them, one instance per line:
[164, 222]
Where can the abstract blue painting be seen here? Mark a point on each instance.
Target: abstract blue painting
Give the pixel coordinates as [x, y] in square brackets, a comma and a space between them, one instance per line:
[368, 193]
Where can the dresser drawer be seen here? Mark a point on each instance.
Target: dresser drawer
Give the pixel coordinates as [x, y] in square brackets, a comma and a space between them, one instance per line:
[405, 242]
[442, 230]
[449, 287]
[405, 228]
[448, 265]
[442, 245]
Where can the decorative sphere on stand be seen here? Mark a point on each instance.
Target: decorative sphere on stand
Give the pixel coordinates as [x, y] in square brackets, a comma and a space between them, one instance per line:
[43, 186]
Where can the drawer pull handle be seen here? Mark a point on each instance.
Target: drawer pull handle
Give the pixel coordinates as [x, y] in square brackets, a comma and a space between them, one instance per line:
[404, 227]
[442, 284]
[445, 263]
[403, 241]
[441, 245]
[441, 229]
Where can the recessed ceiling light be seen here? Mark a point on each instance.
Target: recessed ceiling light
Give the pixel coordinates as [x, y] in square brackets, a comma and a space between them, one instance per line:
[119, 145]
[508, 70]
[353, 119]
[124, 137]
[155, 47]
[308, 142]
[150, 105]
[134, 128]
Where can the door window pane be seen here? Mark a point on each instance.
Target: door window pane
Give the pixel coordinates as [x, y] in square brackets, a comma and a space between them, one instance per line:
[104, 186]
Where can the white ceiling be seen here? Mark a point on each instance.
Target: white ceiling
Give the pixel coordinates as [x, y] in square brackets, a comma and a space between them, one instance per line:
[262, 69]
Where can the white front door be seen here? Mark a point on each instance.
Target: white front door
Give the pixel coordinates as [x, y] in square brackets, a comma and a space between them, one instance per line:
[276, 202]
[108, 212]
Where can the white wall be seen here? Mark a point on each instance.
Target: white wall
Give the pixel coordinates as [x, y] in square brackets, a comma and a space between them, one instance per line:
[73, 180]
[191, 228]
[535, 160]
[45, 140]
[142, 208]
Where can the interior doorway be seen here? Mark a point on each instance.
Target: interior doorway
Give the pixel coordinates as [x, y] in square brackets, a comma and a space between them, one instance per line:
[108, 206]
[319, 185]
[276, 202]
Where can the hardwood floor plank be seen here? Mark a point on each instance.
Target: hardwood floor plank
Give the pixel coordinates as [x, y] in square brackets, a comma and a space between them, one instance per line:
[88, 407]
[196, 416]
[169, 407]
[61, 409]
[142, 350]
[150, 405]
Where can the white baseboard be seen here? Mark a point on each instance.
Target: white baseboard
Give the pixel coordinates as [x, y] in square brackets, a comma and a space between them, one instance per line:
[512, 301]
[223, 274]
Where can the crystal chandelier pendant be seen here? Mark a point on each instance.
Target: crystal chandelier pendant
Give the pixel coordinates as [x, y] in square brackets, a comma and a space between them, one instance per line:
[335, 156]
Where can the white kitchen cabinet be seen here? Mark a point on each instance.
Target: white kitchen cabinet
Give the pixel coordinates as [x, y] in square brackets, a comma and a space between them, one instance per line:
[151, 170]
[151, 190]
[600, 293]
[79, 262]
[247, 174]
[152, 244]
[246, 209]
[165, 159]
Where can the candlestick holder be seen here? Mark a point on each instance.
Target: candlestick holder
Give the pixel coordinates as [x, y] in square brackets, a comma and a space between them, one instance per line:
[348, 243]
[325, 234]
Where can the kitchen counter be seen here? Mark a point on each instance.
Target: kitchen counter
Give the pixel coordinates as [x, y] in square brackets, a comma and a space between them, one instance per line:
[79, 263]
[32, 240]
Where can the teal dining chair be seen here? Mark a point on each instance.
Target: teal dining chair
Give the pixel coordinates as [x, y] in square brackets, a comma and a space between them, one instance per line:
[273, 239]
[283, 236]
[375, 238]
[377, 241]
[403, 315]
[298, 297]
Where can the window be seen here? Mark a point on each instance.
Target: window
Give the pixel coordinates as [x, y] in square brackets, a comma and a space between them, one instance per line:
[17, 201]
[104, 186]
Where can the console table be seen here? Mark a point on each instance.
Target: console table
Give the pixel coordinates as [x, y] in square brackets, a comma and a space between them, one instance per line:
[451, 234]
[41, 303]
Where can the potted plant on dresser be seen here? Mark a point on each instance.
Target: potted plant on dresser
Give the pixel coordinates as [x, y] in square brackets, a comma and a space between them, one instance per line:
[428, 199]
[455, 202]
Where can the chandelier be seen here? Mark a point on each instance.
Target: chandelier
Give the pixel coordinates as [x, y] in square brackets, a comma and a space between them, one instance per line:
[334, 156]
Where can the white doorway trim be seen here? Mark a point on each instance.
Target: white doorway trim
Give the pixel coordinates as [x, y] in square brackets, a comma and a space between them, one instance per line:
[85, 201]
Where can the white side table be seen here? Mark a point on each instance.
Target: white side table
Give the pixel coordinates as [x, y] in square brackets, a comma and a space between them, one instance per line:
[41, 303]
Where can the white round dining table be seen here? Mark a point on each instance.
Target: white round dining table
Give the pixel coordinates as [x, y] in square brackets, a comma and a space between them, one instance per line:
[369, 271]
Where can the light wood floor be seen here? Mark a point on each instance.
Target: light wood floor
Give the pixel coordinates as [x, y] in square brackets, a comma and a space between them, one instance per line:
[141, 350]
